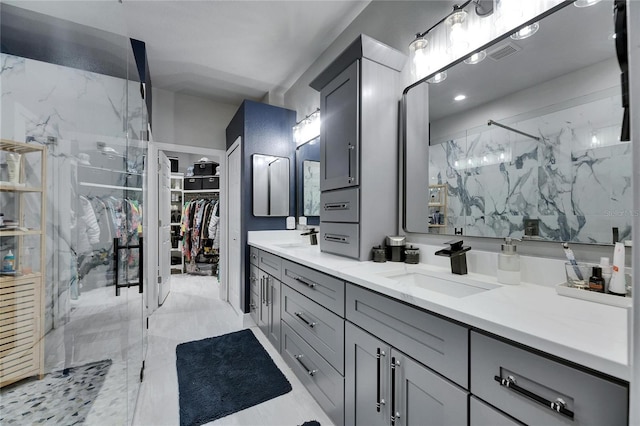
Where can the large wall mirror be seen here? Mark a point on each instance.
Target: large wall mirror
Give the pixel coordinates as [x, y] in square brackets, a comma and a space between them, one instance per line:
[308, 181]
[525, 143]
[270, 185]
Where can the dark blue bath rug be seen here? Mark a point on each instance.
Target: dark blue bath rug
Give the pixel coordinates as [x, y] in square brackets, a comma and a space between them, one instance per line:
[221, 375]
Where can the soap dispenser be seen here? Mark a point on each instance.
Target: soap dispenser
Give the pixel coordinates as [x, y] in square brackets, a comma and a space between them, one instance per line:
[508, 263]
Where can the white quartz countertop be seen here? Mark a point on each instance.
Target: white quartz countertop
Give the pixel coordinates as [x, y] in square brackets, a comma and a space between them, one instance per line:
[589, 334]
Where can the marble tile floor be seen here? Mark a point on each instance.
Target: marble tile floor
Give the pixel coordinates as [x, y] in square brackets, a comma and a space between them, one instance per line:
[194, 311]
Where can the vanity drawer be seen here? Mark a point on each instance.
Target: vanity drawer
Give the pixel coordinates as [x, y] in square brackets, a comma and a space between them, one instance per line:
[481, 414]
[254, 253]
[340, 238]
[324, 289]
[437, 343]
[319, 327]
[270, 263]
[340, 205]
[321, 380]
[592, 400]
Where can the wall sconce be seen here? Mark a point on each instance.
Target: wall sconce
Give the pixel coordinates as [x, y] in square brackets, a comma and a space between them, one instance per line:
[307, 129]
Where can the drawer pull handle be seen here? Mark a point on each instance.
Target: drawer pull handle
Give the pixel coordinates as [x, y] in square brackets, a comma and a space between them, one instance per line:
[254, 257]
[306, 321]
[559, 405]
[308, 284]
[336, 238]
[336, 206]
[379, 402]
[309, 372]
[253, 306]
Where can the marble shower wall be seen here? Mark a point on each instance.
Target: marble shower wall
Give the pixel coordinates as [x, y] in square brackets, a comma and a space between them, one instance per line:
[79, 108]
[576, 179]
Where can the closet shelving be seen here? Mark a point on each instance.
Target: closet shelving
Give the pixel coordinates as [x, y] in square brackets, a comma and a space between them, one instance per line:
[22, 300]
[177, 201]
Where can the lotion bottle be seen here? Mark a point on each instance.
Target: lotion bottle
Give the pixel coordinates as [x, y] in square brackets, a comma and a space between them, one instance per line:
[618, 285]
[606, 272]
[508, 263]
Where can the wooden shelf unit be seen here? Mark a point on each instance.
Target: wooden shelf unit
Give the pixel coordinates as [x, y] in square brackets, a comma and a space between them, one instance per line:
[439, 194]
[22, 298]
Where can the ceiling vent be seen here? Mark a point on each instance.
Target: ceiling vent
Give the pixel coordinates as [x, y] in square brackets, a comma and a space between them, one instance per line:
[503, 51]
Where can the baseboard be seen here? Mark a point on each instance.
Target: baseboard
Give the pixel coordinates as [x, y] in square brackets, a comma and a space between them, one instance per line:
[247, 321]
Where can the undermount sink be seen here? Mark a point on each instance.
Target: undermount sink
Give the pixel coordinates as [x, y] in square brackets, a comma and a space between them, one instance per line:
[454, 286]
[292, 245]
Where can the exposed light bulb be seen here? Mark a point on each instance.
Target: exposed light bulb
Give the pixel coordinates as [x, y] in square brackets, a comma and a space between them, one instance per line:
[460, 97]
[526, 32]
[458, 34]
[476, 57]
[419, 60]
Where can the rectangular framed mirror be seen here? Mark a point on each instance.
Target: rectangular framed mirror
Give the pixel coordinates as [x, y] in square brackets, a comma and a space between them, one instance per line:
[525, 143]
[308, 181]
[270, 185]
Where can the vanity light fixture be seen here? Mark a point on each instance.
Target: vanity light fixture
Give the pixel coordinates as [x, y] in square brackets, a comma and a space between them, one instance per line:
[526, 32]
[585, 3]
[476, 58]
[457, 32]
[460, 97]
[307, 129]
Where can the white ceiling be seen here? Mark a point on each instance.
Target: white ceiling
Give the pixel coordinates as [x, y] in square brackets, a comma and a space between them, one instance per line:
[223, 50]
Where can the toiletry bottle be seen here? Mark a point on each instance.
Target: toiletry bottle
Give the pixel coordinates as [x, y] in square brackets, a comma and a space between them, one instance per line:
[618, 285]
[606, 272]
[596, 282]
[508, 263]
[8, 262]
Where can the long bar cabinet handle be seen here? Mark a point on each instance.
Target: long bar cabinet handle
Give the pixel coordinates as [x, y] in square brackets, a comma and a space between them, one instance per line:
[559, 405]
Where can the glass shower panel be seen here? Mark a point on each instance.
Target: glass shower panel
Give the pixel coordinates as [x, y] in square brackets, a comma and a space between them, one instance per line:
[83, 112]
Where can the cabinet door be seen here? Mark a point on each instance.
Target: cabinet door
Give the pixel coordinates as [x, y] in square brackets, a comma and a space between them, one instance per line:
[263, 312]
[367, 378]
[339, 135]
[254, 302]
[273, 300]
[421, 397]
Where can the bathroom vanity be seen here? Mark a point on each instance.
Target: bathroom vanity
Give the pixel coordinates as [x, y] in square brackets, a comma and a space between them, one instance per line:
[396, 344]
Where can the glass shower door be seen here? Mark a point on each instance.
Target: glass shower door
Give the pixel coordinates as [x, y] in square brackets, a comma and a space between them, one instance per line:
[87, 115]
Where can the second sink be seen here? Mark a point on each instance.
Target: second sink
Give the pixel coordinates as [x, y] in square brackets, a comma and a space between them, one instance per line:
[454, 286]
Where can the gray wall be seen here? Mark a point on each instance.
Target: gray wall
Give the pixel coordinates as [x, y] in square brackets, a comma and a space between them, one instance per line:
[189, 120]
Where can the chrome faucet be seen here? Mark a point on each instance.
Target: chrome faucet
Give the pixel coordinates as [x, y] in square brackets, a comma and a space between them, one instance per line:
[457, 255]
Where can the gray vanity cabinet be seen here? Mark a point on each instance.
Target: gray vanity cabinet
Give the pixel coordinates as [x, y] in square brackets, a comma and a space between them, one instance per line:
[269, 314]
[339, 140]
[254, 292]
[359, 147]
[537, 390]
[366, 378]
[481, 414]
[383, 386]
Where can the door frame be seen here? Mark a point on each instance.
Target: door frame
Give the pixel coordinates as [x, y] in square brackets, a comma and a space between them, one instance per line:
[224, 238]
[151, 235]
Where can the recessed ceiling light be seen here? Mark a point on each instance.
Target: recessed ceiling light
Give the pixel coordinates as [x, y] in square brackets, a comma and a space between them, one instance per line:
[460, 98]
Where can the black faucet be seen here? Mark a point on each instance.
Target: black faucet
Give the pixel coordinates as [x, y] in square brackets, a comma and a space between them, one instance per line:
[456, 253]
[312, 233]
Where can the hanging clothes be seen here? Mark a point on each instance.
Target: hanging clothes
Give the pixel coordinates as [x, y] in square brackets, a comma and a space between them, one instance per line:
[195, 228]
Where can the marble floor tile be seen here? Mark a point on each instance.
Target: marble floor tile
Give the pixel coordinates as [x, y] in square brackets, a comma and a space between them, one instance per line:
[194, 311]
